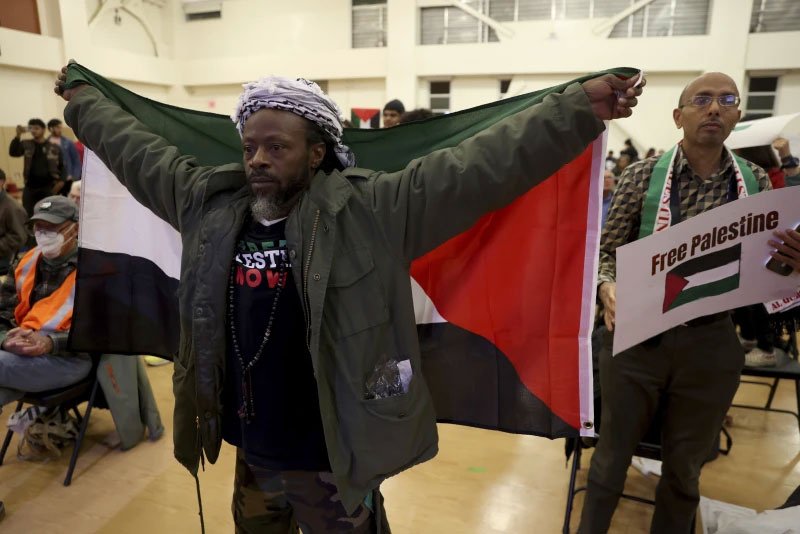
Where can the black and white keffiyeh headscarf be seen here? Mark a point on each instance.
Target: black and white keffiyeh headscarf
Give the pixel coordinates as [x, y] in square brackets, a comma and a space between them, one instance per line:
[300, 96]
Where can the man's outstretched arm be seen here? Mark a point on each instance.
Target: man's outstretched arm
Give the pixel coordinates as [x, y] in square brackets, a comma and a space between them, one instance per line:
[444, 193]
[153, 170]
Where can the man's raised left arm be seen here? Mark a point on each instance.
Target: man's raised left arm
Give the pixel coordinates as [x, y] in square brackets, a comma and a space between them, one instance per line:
[444, 193]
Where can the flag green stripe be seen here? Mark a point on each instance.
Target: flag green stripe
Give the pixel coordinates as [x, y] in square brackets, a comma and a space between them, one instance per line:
[213, 139]
[707, 290]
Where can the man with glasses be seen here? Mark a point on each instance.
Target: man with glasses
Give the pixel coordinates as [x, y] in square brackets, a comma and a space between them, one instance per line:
[691, 370]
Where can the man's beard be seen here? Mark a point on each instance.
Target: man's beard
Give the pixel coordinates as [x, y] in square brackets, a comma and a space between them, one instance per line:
[271, 206]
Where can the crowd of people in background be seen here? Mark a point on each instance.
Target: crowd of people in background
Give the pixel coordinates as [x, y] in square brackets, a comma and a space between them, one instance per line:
[51, 166]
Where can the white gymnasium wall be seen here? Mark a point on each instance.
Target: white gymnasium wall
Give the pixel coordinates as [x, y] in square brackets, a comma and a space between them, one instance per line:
[213, 99]
[358, 93]
[49, 18]
[161, 93]
[27, 94]
[129, 33]
[470, 91]
[203, 63]
[265, 27]
[788, 100]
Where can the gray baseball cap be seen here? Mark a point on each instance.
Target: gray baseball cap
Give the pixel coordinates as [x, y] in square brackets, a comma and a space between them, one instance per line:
[55, 209]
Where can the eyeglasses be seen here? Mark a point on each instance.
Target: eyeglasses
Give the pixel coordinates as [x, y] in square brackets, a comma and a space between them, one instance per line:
[701, 101]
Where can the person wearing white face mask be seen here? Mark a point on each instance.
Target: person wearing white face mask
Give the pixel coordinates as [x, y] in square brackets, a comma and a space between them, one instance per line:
[36, 307]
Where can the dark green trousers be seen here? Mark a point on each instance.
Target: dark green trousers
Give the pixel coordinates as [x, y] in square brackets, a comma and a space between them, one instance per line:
[694, 372]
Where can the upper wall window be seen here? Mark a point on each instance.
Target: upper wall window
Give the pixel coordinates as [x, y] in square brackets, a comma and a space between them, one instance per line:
[369, 23]
[664, 18]
[761, 93]
[447, 25]
[504, 85]
[440, 97]
[453, 25]
[515, 10]
[775, 16]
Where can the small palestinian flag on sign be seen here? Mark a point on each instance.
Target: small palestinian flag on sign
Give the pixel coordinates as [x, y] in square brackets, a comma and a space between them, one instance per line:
[365, 117]
[706, 276]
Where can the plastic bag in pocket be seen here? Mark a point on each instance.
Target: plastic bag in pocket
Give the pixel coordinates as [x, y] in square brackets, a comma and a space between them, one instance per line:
[390, 378]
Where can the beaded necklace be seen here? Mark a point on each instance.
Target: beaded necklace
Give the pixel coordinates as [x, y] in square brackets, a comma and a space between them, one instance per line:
[247, 409]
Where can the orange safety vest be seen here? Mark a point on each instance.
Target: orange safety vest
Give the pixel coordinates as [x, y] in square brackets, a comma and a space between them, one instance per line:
[50, 314]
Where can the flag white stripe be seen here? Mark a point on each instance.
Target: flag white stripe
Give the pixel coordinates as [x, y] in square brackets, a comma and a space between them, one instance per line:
[712, 275]
[425, 310]
[108, 212]
[589, 294]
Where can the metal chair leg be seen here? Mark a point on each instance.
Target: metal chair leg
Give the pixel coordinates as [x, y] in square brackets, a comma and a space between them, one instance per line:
[797, 394]
[9, 435]
[576, 464]
[772, 390]
[79, 441]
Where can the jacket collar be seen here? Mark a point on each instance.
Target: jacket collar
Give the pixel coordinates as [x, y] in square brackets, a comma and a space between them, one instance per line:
[330, 192]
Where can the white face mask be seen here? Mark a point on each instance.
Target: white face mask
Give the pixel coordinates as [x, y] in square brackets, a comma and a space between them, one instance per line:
[50, 243]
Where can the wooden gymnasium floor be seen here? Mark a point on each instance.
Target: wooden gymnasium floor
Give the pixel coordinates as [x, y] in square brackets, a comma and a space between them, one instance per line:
[482, 482]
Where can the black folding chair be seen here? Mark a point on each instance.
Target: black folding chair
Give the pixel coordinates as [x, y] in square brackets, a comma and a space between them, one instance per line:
[67, 398]
[645, 449]
[788, 368]
[649, 447]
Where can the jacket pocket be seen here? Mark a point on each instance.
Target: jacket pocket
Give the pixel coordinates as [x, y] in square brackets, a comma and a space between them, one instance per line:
[391, 433]
[355, 299]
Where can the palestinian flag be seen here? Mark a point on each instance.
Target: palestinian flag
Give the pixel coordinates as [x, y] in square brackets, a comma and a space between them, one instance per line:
[365, 117]
[505, 310]
[707, 276]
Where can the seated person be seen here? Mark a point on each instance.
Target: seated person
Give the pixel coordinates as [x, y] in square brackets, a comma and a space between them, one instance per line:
[36, 307]
[12, 226]
[757, 336]
[75, 193]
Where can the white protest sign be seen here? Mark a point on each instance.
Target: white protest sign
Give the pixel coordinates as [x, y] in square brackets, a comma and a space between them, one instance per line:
[710, 263]
[784, 304]
[763, 131]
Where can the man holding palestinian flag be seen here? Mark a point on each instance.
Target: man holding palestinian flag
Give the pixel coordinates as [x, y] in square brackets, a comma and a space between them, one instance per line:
[692, 369]
[298, 340]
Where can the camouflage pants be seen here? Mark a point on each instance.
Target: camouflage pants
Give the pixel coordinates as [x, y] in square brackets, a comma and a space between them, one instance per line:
[290, 502]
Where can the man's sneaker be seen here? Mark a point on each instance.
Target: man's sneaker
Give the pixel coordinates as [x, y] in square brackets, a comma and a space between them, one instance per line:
[760, 358]
[748, 344]
[155, 361]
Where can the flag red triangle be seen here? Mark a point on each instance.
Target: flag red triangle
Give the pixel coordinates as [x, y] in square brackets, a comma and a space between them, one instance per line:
[365, 114]
[673, 286]
[516, 278]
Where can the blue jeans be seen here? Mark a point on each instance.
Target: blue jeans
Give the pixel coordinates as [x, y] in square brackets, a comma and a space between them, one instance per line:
[26, 374]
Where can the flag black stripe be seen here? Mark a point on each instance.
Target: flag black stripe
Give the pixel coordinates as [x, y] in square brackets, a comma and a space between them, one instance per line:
[709, 261]
[139, 305]
[474, 384]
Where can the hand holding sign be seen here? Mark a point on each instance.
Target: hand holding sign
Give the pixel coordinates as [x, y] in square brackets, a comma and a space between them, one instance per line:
[788, 250]
[608, 296]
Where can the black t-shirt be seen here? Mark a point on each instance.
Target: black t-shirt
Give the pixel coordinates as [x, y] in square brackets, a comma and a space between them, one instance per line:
[285, 432]
[39, 174]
